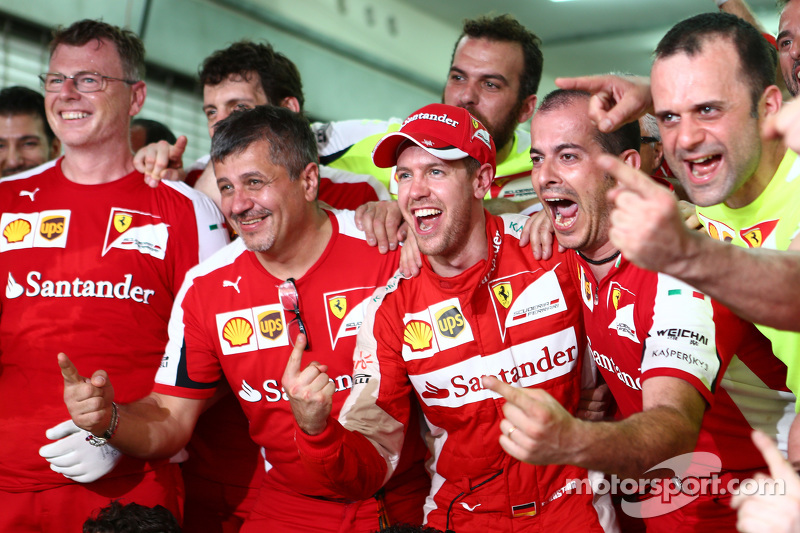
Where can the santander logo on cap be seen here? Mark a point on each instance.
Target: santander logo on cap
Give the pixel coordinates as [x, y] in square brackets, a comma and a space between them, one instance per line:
[447, 132]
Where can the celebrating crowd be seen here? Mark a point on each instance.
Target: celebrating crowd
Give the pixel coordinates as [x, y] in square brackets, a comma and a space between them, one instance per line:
[450, 322]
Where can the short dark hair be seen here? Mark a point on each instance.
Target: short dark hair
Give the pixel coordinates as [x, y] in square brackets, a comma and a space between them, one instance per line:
[278, 75]
[758, 58]
[129, 46]
[292, 144]
[154, 131]
[627, 137]
[505, 28]
[132, 518]
[19, 100]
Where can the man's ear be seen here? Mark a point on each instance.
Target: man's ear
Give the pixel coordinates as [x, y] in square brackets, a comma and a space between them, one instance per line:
[55, 148]
[310, 179]
[771, 101]
[483, 181]
[138, 94]
[290, 102]
[631, 158]
[527, 108]
[658, 148]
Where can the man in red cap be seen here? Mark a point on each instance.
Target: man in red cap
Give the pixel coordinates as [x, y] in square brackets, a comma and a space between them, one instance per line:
[481, 306]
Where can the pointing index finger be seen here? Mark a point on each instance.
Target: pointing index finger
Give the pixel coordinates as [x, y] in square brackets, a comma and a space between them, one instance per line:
[627, 176]
[293, 366]
[505, 390]
[779, 468]
[68, 370]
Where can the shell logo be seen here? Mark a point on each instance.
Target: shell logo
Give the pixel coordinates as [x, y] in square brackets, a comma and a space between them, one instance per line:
[237, 331]
[418, 335]
[17, 230]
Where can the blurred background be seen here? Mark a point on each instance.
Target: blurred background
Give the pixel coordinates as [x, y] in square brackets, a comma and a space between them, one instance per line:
[358, 58]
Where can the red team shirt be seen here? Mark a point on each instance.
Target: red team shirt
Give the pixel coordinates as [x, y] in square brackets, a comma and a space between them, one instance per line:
[90, 270]
[228, 323]
[431, 339]
[642, 324]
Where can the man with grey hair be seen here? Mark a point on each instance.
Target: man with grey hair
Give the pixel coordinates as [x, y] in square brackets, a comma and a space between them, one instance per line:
[296, 268]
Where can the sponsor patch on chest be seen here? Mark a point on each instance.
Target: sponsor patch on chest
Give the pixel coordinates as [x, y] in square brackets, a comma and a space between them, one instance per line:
[47, 229]
[248, 330]
[439, 327]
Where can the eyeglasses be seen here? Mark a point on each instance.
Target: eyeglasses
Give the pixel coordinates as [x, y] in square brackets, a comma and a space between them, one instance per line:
[290, 300]
[646, 140]
[85, 82]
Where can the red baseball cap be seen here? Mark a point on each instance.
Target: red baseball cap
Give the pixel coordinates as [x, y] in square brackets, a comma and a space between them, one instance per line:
[444, 131]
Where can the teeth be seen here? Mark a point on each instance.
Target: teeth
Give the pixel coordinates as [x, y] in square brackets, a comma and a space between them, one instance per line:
[250, 222]
[558, 217]
[701, 160]
[427, 212]
[72, 115]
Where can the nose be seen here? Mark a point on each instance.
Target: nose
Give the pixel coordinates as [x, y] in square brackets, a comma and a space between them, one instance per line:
[794, 49]
[690, 133]
[13, 156]
[545, 174]
[419, 187]
[467, 94]
[240, 202]
[68, 89]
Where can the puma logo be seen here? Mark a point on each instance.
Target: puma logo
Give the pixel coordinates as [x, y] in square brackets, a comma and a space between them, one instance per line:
[234, 284]
[29, 194]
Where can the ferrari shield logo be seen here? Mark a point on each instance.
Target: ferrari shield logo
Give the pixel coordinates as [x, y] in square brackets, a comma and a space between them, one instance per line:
[753, 238]
[122, 221]
[338, 305]
[502, 291]
[615, 295]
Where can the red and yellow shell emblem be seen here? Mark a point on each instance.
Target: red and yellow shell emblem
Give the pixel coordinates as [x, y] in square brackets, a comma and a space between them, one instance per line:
[418, 335]
[16, 230]
[237, 332]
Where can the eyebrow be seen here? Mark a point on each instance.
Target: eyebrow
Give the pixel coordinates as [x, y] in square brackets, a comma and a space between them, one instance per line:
[560, 147]
[782, 34]
[490, 76]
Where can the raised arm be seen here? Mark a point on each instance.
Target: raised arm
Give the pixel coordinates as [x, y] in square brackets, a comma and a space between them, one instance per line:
[538, 430]
[759, 285]
[156, 426]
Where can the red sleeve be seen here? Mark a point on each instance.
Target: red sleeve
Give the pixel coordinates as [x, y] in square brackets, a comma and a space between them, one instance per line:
[342, 461]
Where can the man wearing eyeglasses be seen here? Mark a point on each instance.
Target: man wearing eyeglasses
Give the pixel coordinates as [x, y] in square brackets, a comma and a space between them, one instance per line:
[296, 268]
[481, 305]
[91, 258]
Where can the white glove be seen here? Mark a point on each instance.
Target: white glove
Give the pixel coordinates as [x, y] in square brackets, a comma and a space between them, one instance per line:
[72, 456]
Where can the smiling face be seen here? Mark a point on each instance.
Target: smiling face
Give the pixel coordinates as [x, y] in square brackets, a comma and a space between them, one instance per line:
[259, 198]
[711, 140]
[97, 118]
[234, 93]
[567, 180]
[485, 79]
[789, 46]
[440, 200]
[23, 143]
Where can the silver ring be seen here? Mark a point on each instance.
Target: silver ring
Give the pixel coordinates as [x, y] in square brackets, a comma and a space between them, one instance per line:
[510, 431]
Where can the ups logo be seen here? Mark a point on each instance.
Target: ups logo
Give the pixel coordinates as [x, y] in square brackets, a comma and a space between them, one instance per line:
[52, 227]
[270, 324]
[450, 322]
